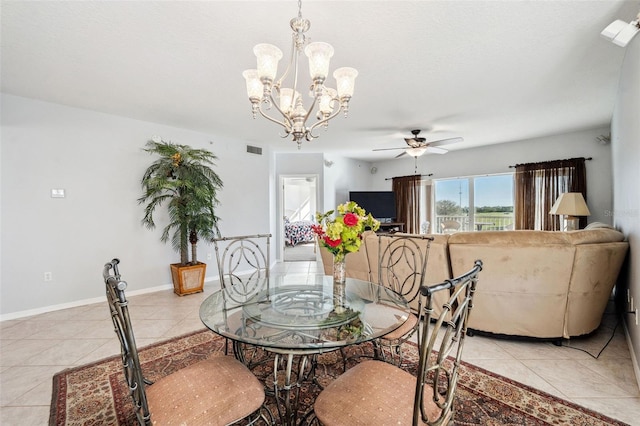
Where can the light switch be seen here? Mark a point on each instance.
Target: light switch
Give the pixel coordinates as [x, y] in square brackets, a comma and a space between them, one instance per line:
[57, 193]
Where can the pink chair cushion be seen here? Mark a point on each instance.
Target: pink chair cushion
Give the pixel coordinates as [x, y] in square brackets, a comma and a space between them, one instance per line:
[405, 328]
[371, 393]
[217, 391]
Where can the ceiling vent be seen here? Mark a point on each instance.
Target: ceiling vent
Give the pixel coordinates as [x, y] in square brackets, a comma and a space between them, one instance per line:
[254, 150]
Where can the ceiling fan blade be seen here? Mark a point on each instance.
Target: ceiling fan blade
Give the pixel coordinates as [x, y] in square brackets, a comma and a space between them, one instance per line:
[436, 150]
[445, 141]
[387, 149]
[401, 154]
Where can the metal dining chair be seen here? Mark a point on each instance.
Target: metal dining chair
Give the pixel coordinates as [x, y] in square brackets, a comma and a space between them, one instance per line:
[243, 269]
[218, 391]
[450, 226]
[378, 393]
[402, 265]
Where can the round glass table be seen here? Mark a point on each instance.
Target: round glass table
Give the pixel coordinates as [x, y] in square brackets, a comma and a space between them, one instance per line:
[299, 316]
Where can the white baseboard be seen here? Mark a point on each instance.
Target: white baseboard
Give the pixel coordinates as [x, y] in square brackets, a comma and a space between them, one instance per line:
[634, 359]
[76, 303]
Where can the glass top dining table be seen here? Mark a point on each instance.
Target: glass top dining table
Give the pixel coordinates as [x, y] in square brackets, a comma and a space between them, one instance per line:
[303, 313]
[296, 317]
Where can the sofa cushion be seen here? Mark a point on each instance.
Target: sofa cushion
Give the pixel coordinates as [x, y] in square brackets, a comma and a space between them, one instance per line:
[594, 273]
[593, 236]
[594, 225]
[501, 238]
[523, 287]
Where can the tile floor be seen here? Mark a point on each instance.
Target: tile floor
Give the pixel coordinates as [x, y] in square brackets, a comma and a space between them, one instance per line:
[32, 349]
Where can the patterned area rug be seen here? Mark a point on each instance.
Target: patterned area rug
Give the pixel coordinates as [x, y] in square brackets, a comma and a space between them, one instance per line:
[95, 394]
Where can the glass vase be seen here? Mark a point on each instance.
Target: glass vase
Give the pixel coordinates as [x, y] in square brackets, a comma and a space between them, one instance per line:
[339, 284]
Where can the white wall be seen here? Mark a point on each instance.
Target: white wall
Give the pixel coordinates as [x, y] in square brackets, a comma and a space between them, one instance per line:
[98, 160]
[337, 175]
[345, 175]
[497, 159]
[625, 133]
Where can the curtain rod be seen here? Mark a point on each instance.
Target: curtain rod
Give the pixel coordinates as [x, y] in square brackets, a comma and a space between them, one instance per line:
[525, 164]
[391, 178]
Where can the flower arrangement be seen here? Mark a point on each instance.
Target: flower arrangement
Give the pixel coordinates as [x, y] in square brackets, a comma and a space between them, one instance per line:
[343, 234]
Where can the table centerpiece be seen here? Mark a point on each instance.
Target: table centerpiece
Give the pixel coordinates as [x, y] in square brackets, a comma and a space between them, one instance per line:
[340, 231]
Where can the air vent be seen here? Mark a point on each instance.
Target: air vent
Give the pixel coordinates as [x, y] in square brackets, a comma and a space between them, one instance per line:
[254, 150]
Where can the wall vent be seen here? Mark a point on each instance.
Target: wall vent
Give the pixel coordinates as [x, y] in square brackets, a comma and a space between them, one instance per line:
[254, 150]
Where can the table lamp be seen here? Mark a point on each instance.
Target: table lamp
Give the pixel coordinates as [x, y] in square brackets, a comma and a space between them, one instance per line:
[571, 205]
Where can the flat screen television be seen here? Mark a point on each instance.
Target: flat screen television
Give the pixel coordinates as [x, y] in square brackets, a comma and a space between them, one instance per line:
[381, 204]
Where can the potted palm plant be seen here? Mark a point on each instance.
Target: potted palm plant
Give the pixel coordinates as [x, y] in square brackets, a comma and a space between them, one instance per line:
[182, 179]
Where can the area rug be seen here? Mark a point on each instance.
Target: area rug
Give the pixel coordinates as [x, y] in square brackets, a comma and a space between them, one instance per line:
[96, 394]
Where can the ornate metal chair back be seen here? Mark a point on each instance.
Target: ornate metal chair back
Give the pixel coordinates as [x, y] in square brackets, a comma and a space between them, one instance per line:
[118, 307]
[441, 348]
[244, 263]
[402, 263]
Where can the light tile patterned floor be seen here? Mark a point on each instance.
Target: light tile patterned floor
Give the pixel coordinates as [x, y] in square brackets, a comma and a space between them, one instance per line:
[33, 349]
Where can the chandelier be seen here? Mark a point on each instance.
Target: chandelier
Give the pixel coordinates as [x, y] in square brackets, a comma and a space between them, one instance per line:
[265, 91]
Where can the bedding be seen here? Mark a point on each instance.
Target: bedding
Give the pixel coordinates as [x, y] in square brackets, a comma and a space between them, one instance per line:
[298, 232]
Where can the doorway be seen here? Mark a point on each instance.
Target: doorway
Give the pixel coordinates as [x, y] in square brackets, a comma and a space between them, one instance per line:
[299, 206]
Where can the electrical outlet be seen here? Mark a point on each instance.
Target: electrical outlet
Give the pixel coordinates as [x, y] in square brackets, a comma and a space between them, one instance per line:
[636, 316]
[48, 276]
[209, 256]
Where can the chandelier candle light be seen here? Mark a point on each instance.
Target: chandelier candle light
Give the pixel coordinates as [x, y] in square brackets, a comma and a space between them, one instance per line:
[265, 91]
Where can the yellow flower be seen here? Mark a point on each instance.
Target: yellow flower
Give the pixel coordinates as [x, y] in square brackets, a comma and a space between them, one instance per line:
[341, 237]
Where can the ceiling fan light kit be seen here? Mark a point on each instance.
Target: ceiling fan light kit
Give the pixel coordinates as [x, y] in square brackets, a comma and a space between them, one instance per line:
[418, 146]
[415, 152]
[265, 91]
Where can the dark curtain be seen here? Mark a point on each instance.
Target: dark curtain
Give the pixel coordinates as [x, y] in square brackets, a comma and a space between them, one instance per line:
[407, 191]
[538, 185]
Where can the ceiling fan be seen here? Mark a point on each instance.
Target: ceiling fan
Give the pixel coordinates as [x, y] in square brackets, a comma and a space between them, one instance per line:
[416, 146]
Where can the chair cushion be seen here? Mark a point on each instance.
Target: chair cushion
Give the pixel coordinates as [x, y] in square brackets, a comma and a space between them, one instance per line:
[405, 328]
[371, 393]
[217, 391]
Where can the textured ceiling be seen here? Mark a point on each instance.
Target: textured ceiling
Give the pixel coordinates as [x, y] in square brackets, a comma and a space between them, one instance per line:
[488, 71]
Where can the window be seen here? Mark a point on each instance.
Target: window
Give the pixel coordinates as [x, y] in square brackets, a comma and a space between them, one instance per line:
[475, 203]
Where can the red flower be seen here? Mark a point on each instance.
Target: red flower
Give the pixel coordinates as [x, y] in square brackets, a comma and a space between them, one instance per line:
[350, 219]
[332, 243]
[318, 230]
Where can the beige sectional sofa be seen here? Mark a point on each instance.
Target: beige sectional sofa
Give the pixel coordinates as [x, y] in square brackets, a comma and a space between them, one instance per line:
[539, 284]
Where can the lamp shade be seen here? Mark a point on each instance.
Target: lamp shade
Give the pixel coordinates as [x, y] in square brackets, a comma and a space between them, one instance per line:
[345, 79]
[254, 86]
[416, 152]
[288, 99]
[327, 101]
[268, 56]
[319, 55]
[570, 204]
